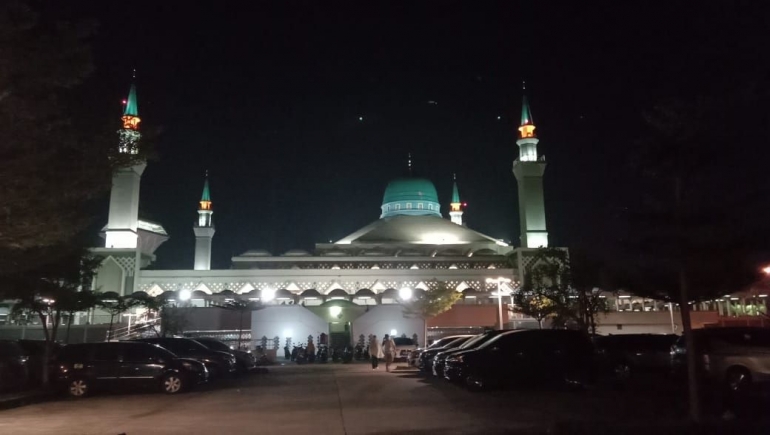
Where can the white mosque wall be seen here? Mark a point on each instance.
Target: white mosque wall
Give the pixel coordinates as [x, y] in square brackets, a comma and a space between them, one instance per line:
[285, 321]
[384, 319]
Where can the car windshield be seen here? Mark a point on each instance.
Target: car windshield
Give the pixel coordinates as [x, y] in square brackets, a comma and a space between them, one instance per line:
[473, 341]
[401, 341]
[494, 340]
[214, 344]
[441, 342]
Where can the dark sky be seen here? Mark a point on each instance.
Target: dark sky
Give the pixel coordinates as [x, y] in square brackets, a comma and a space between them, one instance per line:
[267, 97]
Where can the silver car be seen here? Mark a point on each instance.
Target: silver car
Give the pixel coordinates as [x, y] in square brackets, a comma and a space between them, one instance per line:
[737, 357]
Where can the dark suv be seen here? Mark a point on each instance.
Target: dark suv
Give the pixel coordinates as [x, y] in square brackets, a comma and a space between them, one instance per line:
[218, 363]
[244, 360]
[531, 357]
[85, 367]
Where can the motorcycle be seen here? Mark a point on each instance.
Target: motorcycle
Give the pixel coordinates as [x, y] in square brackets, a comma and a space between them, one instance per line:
[347, 355]
[323, 354]
[336, 355]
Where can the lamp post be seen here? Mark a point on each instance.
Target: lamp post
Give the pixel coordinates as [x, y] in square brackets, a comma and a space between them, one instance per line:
[499, 281]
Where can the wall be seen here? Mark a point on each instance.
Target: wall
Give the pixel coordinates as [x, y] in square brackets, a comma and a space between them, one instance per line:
[652, 322]
[382, 319]
[468, 315]
[293, 321]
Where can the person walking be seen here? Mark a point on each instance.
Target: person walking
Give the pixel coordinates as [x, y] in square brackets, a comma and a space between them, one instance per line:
[375, 352]
[389, 349]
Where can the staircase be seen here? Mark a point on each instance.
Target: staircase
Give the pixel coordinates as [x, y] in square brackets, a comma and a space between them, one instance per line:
[140, 329]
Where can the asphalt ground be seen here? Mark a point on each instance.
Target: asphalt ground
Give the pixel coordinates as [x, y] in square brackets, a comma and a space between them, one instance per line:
[353, 399]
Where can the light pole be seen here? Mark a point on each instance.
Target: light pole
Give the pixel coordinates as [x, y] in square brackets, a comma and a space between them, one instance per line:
[499, 281]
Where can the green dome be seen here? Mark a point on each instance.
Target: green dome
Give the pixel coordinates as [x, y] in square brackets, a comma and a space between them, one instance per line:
[410, 196]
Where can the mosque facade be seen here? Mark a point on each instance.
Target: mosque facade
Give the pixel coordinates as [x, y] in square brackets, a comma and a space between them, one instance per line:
[410, 248]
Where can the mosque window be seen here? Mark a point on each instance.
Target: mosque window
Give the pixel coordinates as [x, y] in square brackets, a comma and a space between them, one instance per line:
[430, 206]
[398, 206]
[408, 205]
[419, 206]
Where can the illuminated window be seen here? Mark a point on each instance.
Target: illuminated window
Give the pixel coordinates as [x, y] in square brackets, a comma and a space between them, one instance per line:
[398, 206]
[419, 206]
[408, 205]
[430, 206]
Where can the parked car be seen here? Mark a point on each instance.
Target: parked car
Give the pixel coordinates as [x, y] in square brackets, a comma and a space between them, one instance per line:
[630, 353]
[244, 359]
[414, 356]
[403, 347]
[425, 362]
[14, 366]
[524, 357]
[736, 358]
[437, 367]
[217, 362]
[83, 368]
[35, 349]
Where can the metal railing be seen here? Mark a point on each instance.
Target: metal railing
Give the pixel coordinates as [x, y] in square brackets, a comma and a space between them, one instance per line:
[136, 330]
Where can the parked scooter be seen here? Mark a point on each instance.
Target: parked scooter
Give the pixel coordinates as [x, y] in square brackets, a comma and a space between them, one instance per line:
[323, 354]
[347, 355]
[336, 355]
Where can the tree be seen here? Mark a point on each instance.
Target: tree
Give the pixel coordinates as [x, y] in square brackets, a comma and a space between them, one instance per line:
[545, 291]
[51, 290]
[431, 303]
[116, 305]
[589, 278]
[152, 305]
[54, 163]
[683, 244]
[173, 320]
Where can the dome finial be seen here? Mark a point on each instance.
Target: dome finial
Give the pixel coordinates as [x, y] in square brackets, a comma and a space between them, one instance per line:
[409, 163]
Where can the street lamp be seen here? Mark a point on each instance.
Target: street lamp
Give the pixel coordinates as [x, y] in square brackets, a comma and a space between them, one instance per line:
[405, 293]
[499, 281]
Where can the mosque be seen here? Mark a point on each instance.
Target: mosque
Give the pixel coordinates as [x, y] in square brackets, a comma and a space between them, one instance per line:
[353, 286]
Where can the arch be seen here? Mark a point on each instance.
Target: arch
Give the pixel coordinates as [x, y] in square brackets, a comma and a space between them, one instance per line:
[199, 294]
[312, 293]
[284, 294]
[338, 292]
[390, 293]
[365, 293]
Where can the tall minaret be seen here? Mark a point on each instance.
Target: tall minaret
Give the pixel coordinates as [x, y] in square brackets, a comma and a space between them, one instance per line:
[529, 169]
[455, 207]
[204, 230]
[121, 230]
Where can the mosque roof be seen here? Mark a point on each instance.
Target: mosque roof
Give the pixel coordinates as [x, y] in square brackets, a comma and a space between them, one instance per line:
[416, 229]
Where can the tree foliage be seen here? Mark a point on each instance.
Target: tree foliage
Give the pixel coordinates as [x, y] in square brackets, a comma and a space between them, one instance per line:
[52, 167]
[432, 302]
[557, 287]
[52, 290]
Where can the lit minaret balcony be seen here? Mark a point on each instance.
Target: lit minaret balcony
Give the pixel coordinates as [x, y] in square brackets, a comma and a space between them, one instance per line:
[456, 207]
[204, 230]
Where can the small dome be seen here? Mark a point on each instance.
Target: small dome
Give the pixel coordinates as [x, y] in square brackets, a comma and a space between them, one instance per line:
[410, 196]
[256, 253]
[296, 253]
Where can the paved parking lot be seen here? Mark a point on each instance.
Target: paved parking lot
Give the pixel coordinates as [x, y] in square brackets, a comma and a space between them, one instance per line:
[344, 399]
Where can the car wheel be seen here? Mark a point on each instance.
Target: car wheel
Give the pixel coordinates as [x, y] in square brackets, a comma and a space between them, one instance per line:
[737, 379]
[475, 383]
[77, 388]
[172, 383]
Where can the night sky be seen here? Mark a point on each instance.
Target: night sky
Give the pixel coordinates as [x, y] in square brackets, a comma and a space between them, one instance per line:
[267, 96]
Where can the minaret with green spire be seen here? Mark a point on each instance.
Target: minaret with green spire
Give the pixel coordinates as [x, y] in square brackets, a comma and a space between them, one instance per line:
[204, 229]
[456, 207]
[121, 230]
[528, 170]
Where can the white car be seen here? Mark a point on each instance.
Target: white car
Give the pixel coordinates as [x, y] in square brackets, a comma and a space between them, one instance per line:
[404, 346]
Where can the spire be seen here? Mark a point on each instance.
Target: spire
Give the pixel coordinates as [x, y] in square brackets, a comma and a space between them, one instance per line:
[455, 207]
[205, 202]
[455, 192]
[527, 126]
[129, 135]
